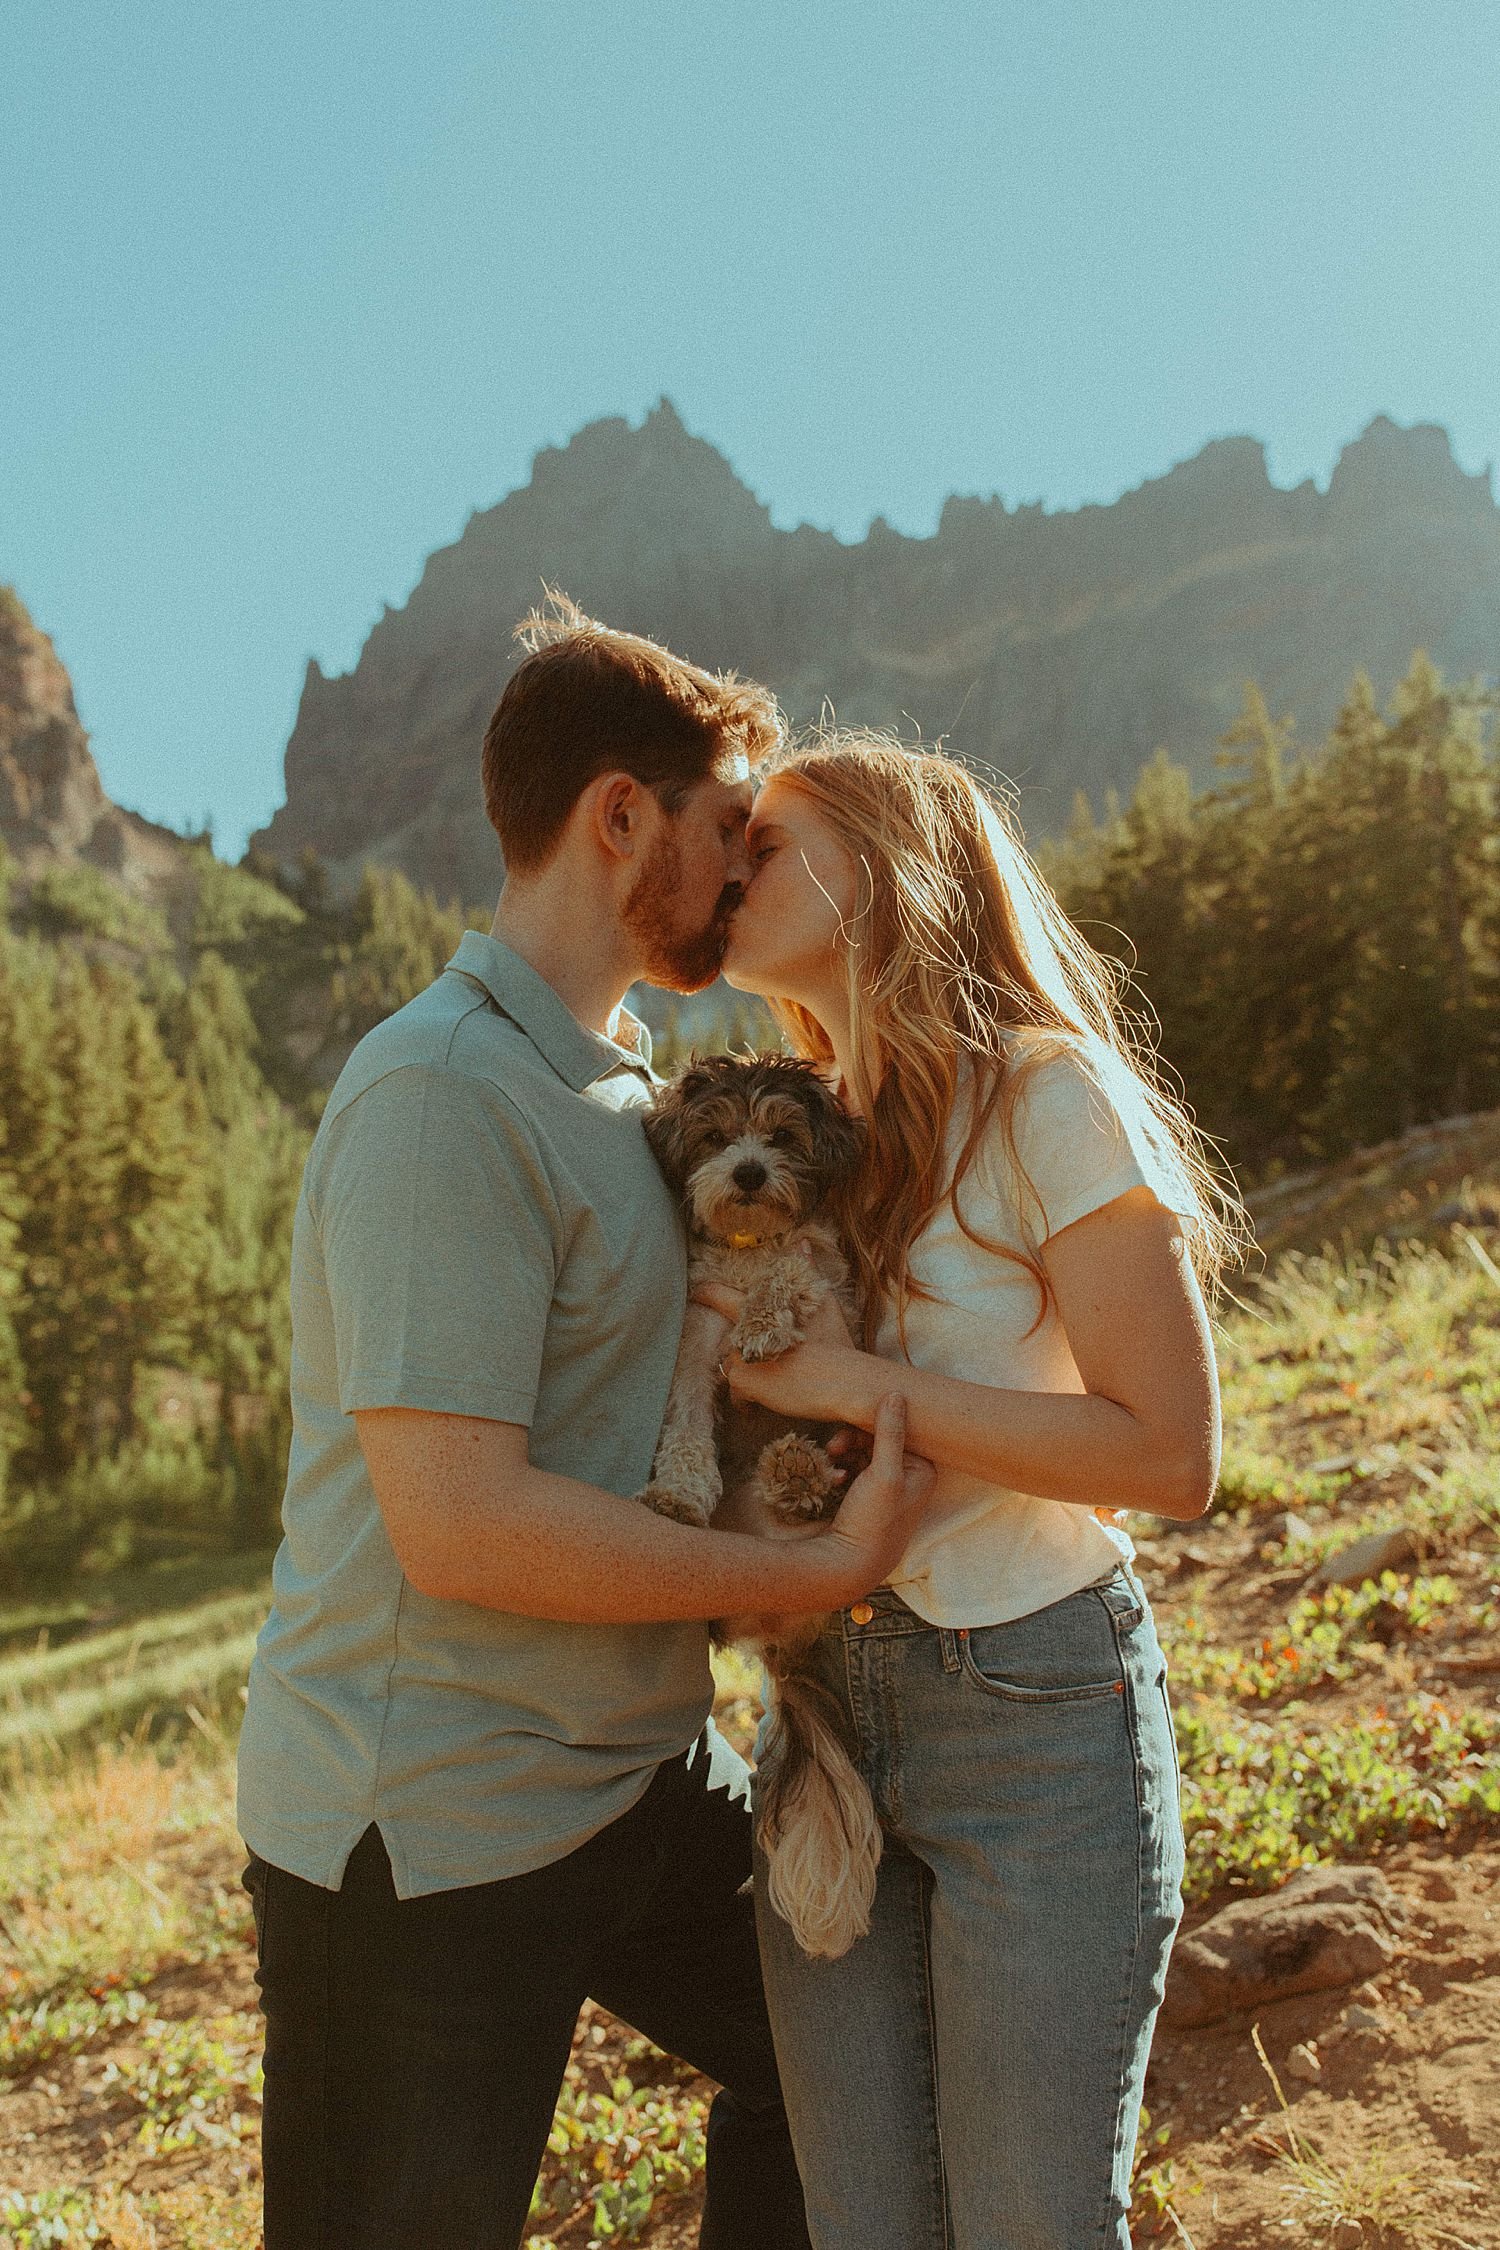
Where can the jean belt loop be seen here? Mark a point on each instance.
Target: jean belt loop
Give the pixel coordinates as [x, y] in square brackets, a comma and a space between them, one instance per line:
[948, 1641]
[1123, 1598]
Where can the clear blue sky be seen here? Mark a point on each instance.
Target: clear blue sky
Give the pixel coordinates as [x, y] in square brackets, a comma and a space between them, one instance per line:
[290, 288]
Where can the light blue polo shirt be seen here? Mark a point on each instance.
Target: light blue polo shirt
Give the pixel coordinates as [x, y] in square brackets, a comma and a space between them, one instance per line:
[482, 1230]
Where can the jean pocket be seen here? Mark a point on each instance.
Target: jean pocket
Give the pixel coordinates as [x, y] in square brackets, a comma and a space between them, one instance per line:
[1022, 1667]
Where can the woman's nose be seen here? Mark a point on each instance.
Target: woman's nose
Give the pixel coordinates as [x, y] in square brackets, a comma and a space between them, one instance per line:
[749, 1175]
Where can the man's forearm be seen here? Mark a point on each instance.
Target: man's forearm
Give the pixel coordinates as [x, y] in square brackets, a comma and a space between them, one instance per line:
[472, 1520]
[552, 1547]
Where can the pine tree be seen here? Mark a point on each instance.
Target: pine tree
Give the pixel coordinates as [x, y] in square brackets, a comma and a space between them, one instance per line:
[1319, 937]
[31, 1106]
[241, 1330]
[1258, 748]
[399, 940]
[1410, 807]
[12, 1373]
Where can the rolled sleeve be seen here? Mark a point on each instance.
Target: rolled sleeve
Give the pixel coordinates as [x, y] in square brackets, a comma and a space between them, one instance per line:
[438, 1224]
[1084, 1135]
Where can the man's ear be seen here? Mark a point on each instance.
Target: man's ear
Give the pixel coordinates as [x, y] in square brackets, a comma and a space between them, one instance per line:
[614, 804]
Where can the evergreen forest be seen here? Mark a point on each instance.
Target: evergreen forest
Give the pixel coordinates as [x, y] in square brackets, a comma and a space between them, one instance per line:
[161, 1074]
[1314, 943]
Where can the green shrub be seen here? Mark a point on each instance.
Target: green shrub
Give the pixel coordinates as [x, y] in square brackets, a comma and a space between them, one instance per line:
[621, 2153]
[1262, 1798]
[101, 1514]
[82, 902]
[1329, 1636]
[231, 905]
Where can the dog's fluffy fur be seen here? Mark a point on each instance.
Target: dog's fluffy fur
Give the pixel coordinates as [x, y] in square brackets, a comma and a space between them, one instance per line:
[757, 1149]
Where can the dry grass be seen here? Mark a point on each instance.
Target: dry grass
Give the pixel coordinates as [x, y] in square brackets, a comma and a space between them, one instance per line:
[1381, 2194]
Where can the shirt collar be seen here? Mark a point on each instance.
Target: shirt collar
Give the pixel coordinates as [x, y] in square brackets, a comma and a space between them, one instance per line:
[578, 1055]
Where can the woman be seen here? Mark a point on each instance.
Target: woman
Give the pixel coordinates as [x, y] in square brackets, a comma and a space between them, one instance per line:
[1029, 1230]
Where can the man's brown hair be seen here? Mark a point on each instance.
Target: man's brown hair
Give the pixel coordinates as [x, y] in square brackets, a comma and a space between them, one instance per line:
[588, 700]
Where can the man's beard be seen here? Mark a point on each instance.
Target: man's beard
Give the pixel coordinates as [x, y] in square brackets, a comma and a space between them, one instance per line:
[678, 959]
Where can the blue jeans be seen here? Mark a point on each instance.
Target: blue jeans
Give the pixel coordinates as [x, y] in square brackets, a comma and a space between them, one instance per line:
[968, 2076]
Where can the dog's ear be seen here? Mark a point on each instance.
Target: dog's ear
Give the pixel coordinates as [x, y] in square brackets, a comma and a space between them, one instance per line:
[666, 1124]
[838, 1139]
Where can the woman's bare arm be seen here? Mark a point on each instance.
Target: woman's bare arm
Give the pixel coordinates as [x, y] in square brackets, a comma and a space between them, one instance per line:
[1144, 1434]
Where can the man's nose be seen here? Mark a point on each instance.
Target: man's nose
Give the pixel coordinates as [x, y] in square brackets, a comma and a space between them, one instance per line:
[749, 1175]
[739, 866]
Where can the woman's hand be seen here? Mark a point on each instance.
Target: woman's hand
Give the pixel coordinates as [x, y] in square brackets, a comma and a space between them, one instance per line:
[813, 1382]
[818, 1380]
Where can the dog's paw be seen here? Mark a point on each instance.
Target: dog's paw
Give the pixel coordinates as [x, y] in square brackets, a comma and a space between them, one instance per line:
[766, 1336]
[682, 1507]
[800, 1481]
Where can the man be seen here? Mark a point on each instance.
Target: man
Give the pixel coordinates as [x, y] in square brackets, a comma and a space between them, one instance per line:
[475, 1777]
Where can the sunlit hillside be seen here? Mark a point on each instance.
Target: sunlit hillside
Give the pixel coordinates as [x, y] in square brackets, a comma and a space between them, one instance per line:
[1319, 1722]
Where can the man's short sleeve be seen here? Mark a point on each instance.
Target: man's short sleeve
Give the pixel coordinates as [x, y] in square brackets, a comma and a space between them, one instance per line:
[438, 1225]
[1084, 1135]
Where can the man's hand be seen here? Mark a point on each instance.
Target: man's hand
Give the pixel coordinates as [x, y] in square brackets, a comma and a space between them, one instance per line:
[880, 1511]
[850, 1449]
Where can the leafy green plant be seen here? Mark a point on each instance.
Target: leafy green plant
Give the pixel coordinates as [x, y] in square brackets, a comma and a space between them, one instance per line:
[53, 2219]
[1328, 1636]
[1262, 1799]
[195, 2080]
[64, 2026]
[620, 2153]
[1153, 2178]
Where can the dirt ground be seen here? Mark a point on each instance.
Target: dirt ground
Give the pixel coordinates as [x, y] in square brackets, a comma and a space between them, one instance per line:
[1419, 2087]
[1403, 2113]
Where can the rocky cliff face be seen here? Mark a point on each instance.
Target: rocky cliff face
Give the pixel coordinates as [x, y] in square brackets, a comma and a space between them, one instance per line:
[53, 810]
[1059, 650]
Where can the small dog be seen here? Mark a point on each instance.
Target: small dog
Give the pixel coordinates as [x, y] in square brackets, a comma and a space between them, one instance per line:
[758, 1149]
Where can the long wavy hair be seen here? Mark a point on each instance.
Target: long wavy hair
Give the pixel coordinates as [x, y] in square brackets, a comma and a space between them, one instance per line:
[955, 946]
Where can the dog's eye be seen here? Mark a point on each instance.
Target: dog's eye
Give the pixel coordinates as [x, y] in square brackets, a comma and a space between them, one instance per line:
[714, 1140]
[783, 1137]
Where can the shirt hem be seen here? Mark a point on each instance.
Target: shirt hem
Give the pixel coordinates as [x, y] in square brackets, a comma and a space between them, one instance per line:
[1114, 1550]
[416, 1876]
[1091, 1199]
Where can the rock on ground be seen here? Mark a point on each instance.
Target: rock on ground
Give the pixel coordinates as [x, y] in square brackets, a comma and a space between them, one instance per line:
[1327, 1926]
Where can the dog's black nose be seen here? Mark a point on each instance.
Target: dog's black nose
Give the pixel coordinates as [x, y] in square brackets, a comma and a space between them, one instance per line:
[749, 1176]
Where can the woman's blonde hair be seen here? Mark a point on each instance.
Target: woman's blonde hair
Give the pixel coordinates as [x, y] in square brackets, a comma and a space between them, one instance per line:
[955, 945]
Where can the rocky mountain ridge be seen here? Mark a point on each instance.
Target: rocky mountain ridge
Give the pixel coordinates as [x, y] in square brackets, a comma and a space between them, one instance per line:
[1057, 649]
[53, 808]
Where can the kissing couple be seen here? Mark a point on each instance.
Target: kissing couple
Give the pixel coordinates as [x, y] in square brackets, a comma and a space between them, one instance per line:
[478, 1779]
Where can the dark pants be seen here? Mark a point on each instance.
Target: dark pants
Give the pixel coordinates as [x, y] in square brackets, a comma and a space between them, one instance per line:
[415, 2048]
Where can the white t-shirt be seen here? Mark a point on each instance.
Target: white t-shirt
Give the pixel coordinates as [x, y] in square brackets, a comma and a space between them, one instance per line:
[985, 1554]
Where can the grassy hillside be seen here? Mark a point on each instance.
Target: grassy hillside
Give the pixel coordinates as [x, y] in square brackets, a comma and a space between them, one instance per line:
[1418, 1187]
[1314, 1723]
